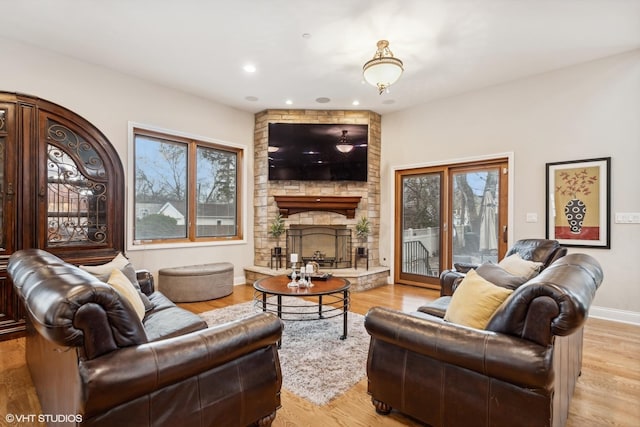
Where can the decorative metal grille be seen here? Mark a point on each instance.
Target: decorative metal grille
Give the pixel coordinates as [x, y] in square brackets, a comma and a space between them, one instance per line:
[80, 150]
[77, 197]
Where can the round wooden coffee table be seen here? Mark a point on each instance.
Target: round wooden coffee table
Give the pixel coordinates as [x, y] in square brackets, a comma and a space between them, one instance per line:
[332, 299]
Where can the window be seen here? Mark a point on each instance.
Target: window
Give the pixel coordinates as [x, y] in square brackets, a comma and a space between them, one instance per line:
[186, 190]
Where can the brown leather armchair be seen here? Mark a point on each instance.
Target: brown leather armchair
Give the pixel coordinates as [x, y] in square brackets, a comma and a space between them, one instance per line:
[519, 371]
[93, 359]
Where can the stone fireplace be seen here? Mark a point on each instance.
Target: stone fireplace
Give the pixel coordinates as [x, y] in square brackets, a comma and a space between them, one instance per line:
[361, 198]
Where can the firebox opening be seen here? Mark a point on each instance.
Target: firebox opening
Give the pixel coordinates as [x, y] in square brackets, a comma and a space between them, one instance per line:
[328, 245]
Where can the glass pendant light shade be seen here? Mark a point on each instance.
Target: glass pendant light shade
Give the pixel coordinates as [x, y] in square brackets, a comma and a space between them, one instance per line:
[343, 145]
[384, 69]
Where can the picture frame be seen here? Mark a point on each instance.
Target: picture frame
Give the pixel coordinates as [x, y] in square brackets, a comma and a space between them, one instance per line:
[578, 202]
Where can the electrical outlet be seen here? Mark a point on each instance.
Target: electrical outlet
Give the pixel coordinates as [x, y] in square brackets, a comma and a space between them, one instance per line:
[532, 217]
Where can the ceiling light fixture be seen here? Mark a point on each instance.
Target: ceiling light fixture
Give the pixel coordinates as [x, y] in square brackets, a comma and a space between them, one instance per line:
[343, 145]
[384, 69]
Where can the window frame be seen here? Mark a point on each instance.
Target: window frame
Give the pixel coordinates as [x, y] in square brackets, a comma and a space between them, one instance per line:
[192, 141]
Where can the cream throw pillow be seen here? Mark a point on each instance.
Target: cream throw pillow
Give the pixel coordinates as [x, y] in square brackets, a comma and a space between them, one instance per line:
[517, 266]
[121, 263]
[474, 301]
[103, 271]
[119, 282]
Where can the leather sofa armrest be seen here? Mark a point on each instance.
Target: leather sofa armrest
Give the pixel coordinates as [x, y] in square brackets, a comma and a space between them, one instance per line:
[131, 372]
[145, 280]
[555, 302]
[508, 358]
[449, 280]
[557, 254]
[464, 267]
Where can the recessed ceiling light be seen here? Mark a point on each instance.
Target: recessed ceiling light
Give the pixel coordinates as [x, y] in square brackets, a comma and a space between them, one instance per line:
[251, 98]
[323, 100]
[389, 101]
[306, 36]
[249, 68]
[288, 102]
[356, 102]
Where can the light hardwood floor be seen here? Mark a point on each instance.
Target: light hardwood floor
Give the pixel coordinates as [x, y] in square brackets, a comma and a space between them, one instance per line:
[607, 393]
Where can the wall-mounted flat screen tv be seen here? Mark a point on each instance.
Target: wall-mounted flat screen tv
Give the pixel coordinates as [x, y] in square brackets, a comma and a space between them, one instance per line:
[318, 152]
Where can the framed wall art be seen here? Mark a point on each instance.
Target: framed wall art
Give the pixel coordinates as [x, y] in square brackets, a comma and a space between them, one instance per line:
[578, 202]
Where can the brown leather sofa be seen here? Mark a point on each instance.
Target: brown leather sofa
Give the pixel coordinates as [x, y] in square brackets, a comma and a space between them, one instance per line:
[92, 359]
[519, 371]
[539, 250]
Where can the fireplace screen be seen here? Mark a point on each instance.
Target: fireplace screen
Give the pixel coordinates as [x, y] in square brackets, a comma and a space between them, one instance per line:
[329, 246]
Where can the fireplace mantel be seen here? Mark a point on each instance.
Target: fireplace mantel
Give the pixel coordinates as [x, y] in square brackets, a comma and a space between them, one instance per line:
[289, 205]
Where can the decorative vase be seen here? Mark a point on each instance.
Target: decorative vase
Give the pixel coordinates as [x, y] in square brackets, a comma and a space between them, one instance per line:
[575, 211]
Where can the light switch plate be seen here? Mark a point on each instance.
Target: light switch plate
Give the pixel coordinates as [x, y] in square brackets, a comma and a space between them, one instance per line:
[627, 218]
[532, 217]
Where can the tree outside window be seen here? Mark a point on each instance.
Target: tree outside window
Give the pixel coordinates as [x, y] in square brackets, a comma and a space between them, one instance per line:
[185, 190]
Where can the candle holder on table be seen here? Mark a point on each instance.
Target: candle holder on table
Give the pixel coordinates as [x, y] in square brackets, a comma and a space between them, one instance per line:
[302, 282]
[293, 283]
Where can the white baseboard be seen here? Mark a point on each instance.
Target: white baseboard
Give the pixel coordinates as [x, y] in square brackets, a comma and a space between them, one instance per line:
[239, 280]
[624, 316]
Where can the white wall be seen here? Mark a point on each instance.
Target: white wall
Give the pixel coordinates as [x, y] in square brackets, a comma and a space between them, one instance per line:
[586, 111]
[110, 100]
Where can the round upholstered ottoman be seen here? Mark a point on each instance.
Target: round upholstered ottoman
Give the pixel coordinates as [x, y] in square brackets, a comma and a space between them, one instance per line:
[196, 282]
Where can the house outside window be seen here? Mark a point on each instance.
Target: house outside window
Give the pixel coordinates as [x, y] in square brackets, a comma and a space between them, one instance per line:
[185, 189]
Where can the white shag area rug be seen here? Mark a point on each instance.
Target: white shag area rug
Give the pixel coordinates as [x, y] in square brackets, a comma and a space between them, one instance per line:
[316, 364]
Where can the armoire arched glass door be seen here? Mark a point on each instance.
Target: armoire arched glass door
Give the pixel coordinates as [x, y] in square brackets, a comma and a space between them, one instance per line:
[61, 190]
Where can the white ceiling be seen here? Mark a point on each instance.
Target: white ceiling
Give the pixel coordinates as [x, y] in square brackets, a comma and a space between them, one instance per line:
[447, 46]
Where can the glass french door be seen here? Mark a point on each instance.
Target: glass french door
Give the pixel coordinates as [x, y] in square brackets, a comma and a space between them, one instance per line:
[446, 215]
[420, 227]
